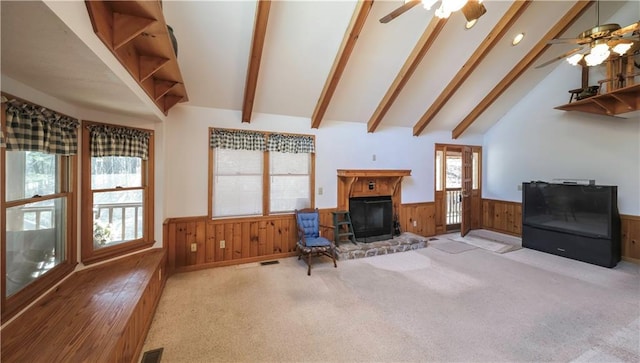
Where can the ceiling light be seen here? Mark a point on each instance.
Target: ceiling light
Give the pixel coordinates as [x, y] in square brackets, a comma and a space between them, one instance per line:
[599, 53]
[574, 59]
[622, 48]
[470, 24]
[517, 39]
[472, 9]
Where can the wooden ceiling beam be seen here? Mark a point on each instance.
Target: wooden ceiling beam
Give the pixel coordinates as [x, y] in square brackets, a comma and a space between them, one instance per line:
[421, 48]
[558, 29]
[342, 58]
[496, 34]
[257, 44]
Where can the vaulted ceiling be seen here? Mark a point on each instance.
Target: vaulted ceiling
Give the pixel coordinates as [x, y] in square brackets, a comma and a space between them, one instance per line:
[321, 60]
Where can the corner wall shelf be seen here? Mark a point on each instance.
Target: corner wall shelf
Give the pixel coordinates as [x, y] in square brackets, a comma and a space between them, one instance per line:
[136, 33]
[621, 100]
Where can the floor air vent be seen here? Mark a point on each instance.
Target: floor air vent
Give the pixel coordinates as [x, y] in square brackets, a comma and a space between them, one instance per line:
[265, 263]
[152, 356]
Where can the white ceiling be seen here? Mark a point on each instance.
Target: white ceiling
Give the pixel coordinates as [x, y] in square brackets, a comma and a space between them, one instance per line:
[302, 39]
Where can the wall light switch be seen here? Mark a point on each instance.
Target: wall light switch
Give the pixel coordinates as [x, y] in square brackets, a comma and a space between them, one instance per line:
[519, 187]
[373, 158]
[222, 243]
[194, 247]
[415, 223]
[320, 191]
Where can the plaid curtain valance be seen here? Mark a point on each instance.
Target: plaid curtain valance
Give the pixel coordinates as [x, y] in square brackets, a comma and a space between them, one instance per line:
[34, 128]
[119, 141]
[291, 144]
[237, 140]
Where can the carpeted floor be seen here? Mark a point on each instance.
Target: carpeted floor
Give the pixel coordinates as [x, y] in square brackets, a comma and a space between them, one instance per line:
[417, 306]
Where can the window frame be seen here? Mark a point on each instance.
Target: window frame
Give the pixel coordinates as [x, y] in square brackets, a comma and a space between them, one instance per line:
[89, 254]
[266, 184]
[67, 173]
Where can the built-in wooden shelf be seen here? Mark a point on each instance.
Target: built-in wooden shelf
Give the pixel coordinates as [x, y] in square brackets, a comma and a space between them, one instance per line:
[619, 101]
[136, 33]
[376, 173]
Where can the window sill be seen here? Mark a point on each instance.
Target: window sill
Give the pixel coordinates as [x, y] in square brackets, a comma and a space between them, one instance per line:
[106, 253]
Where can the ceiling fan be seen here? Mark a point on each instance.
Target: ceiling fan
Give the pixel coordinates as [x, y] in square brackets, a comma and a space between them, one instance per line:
[472, 9]
[596, 44]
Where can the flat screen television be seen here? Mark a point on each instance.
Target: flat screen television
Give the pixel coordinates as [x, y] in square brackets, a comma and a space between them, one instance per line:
[588, 210]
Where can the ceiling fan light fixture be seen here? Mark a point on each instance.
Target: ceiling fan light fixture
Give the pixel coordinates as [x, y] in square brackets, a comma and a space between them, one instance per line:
[442, 13]
[622, 48]
[598, 54]
[574, 59]
[427, 4]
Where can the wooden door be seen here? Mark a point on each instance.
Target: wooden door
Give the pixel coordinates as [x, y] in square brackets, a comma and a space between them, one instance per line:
[467, 186]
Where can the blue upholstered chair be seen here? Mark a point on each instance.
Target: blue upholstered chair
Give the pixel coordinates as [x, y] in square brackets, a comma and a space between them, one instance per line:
[309, 239]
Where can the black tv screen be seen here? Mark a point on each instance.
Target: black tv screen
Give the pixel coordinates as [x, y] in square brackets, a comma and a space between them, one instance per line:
[573, 208]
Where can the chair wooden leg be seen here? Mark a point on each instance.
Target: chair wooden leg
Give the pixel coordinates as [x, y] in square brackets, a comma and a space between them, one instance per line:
[309, 264]
[333, 256]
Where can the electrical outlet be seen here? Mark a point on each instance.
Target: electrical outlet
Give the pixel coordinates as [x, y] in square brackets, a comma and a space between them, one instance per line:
[519, 187]
[373, 158]
[320, 191]
[194, 247]
[415, 223]
[222, 243]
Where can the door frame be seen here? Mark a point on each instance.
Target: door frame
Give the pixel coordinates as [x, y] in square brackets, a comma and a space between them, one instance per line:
[474, 211]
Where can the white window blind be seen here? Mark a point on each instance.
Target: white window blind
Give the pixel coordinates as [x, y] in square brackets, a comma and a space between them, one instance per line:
[290, 180]
[237, 182]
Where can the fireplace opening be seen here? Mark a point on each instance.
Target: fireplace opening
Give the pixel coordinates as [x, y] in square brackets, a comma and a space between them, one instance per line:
[372, 218]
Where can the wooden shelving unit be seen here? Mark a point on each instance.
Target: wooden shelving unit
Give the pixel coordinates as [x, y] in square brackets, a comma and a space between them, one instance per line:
[136, 33]
[621, 100]
[357, 183]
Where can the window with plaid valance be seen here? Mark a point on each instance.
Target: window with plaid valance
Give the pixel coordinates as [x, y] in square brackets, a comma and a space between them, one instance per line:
[119, 141]
[237, 140]
[257, 141]
[35, 128]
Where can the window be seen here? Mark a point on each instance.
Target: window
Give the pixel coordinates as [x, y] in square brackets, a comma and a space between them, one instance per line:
[256, 173]
[117, 185]
[289, 180]
[38, 202]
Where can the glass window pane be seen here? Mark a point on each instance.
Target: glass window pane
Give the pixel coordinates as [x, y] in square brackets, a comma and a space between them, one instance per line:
[454, 170]
[233, 162]
[289, 163]
[289, 193]
[35, 241]
[476, 170]
[237, 195]
[116, 171]
[31, 173]
[237, 183]
[117, 217]
[439, 155]
[289, 181]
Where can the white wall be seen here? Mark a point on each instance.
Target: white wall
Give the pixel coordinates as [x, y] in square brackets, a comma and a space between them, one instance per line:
[533, 141]
[339, 145]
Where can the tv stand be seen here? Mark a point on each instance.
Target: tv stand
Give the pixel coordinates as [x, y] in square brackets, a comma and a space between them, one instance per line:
[599, 251]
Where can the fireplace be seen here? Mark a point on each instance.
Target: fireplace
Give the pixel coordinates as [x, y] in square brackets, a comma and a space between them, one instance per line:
[372, 218]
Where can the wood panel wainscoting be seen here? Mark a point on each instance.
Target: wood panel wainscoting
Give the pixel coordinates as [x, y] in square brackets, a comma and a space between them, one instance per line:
[98, 314]
[506, 217]
[502, 216]
[630, 237]
[423, 215]
[195, 242]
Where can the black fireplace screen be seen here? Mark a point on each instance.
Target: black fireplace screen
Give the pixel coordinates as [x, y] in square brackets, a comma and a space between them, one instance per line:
[372, 218]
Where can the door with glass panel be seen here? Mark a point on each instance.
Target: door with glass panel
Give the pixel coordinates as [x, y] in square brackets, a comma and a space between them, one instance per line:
[450, 191]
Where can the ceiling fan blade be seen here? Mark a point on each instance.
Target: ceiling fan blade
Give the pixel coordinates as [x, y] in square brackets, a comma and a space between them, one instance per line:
[569, 41]
[627, 29]
[565, 55]
[399, 11]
